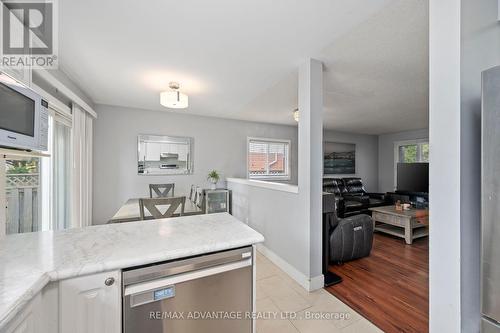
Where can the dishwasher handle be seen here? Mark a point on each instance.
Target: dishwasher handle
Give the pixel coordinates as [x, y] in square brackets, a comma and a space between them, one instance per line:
[143, 293]
[161, 270]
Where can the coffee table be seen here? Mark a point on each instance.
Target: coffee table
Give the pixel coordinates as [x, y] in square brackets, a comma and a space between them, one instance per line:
[407, 224]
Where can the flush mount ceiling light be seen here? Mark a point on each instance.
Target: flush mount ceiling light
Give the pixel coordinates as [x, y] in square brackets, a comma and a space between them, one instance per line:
[173, 98]
[296, 115]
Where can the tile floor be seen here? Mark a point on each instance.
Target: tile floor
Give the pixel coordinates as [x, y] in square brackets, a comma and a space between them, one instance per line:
[287, 307]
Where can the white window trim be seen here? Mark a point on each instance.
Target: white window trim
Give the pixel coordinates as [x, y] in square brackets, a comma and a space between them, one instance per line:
[397, 144]
[46, 180]
[54, 103]
[288, 169]
[63, 89]
[61, 116]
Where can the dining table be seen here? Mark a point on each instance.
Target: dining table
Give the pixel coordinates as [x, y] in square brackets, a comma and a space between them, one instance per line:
[130, 211]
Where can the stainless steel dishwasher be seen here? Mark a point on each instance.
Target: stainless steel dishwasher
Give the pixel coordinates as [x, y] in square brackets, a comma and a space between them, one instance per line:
[208, 293]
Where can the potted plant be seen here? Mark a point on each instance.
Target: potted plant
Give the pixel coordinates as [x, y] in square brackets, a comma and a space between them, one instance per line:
[213, 177]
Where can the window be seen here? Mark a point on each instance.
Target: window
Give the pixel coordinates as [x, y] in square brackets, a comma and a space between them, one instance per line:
[268, 159]
[22, 193]
[413, 151]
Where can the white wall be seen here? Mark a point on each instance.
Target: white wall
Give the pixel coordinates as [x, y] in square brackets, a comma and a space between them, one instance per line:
[480, 50]
[386, 156]
[218, 144]
[366, 156]
[276, 215]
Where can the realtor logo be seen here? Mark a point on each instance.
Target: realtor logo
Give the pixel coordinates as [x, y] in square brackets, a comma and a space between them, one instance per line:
[29, 34]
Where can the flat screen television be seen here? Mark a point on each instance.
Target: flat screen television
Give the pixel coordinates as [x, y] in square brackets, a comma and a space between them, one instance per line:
[413, 177]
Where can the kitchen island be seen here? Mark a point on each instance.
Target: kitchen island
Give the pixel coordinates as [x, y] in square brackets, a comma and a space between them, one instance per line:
[39, 263]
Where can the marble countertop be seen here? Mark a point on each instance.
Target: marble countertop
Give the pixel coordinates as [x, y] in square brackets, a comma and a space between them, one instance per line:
[29, 261]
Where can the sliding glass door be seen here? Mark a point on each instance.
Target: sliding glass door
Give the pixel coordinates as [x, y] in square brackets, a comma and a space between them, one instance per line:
[23, 195]
[61, 175]
[36, 191]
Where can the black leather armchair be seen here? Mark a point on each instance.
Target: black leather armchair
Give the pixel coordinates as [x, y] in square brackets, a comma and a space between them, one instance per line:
[347, 205]
[356, 189]
[349, 238]
[343, 239]
[352, 195]
[334, 185]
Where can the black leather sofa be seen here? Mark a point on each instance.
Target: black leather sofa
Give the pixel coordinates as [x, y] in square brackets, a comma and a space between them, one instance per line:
[352, 195]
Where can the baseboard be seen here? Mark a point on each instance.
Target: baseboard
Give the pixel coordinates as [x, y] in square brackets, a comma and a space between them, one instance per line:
[317, 282]
[309, 284]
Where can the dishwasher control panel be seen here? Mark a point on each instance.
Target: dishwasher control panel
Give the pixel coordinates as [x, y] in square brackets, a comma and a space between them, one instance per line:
[164, 293]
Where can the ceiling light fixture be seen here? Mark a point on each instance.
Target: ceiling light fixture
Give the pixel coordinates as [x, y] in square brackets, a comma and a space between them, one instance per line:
[296, 115]
[173, 98]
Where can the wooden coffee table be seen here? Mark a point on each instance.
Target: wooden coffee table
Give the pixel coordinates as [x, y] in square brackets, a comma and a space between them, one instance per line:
[407, 224]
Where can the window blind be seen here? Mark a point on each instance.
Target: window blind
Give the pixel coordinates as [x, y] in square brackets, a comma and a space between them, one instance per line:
[268, 159]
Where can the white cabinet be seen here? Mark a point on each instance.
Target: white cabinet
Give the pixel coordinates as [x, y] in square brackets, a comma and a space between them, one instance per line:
[153, 151]
[91, 304]
[28, 319]
[87, 304]
[22, 75]
[176, 148]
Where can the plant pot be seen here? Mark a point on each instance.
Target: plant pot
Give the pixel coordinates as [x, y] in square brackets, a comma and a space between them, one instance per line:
[213, 185]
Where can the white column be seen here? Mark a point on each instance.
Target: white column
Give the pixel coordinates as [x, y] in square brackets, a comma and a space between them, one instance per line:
[310, 96]
[444, 173]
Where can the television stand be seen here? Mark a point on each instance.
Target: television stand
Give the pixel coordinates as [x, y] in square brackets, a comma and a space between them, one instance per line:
[418, 199]
[419, 194]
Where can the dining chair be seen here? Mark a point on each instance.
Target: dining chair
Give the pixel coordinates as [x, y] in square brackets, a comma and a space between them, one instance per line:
[192, 193]
[153, 206]
[161, 190]
[199, 196]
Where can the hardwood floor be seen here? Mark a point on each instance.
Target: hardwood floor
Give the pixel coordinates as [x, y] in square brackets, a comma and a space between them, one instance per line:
[390, 287]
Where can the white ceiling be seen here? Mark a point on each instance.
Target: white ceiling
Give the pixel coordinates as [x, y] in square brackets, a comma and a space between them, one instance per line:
[237, 59]
[375, 79]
